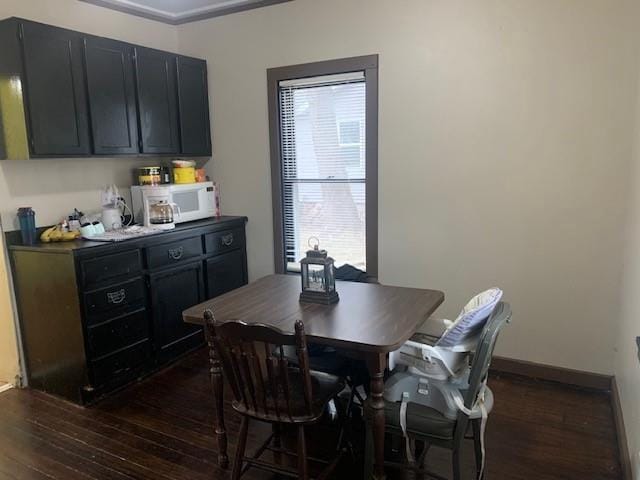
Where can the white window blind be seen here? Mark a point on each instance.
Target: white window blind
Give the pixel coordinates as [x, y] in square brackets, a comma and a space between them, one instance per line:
[322, 127]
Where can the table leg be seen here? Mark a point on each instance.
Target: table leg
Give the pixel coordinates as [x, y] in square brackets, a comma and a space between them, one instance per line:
[217, 384]
[376, 364]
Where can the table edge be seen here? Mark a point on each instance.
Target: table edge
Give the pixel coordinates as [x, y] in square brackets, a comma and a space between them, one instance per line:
[345, 345]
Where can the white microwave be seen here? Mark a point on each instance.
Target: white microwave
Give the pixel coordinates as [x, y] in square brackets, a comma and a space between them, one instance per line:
[194, 200]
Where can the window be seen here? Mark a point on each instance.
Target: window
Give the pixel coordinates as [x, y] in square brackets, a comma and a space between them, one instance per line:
[323, 121]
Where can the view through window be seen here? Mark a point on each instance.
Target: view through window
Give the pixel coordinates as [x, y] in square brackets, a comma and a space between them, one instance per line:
[323, 166]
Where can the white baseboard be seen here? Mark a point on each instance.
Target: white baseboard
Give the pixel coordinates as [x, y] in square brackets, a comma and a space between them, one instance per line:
[5, 387]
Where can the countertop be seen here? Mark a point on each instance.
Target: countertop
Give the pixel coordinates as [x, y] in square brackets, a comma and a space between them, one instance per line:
[14, 241]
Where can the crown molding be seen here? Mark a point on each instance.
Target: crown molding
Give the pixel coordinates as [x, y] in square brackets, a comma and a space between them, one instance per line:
[229, 7]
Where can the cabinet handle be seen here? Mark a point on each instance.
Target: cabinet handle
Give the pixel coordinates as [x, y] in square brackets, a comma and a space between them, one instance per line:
[227, 239]
[176, 253]
[121, 370]
[116, 297]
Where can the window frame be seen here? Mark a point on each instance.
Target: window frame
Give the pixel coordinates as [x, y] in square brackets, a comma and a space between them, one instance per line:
[367, 64]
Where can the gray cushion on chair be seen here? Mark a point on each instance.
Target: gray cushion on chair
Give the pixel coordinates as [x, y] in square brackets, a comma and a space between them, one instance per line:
[421, 420]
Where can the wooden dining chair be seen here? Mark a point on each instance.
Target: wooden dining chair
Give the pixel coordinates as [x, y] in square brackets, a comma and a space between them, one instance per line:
[430, 427]
[267, 388]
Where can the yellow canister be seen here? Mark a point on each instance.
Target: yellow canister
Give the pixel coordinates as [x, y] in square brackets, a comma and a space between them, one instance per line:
[184, 175]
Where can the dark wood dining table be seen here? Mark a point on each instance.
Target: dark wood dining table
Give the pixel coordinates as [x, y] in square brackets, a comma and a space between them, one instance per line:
[368, 322]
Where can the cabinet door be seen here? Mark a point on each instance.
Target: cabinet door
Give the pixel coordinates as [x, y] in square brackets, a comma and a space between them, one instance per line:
[112, 101]
[55, 91]
[193, 104]
[173, 291]
[157, 101]
[225, 273]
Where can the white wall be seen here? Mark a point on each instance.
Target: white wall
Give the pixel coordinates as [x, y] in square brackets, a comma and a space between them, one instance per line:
[54, 187]
[505, 138]
[627, 363]
[505, 135]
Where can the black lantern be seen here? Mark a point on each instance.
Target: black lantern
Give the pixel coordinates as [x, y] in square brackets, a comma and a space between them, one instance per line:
[318, 280]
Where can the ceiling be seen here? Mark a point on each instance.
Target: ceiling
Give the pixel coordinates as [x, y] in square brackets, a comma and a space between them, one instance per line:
[176, 12]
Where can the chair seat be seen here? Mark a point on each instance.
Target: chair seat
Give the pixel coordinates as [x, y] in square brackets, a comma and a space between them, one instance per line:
[332, 361]
[422, 421]
[324, 387]
[321, 359]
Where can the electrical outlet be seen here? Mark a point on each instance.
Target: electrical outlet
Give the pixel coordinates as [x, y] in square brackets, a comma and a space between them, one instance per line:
[638, 344]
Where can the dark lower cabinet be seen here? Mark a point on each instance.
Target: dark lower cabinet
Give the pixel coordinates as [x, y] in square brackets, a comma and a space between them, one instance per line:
[223, 274]
[112, 301]
[118, 333]
[113, 312]
[55, 91]
[110, 371]
[112, 96]
[172, 292]
[157, 101]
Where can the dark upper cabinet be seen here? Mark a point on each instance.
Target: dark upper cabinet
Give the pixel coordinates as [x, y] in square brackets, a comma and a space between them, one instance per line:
[112, 98]
[157, 101]
[86, 96]
[55, 91]
[193, 107]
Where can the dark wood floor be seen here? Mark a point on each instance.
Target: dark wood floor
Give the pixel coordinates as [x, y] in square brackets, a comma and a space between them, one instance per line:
[161, 429]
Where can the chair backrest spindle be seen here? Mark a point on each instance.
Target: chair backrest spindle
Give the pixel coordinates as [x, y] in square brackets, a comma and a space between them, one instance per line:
[303, 359]
[261, 379]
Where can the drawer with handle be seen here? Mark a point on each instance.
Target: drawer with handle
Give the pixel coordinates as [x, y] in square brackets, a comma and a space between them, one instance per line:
[118, 333]
[109, 267]
[174, 252]
[120, 363]
[225, 240]
[108, 302]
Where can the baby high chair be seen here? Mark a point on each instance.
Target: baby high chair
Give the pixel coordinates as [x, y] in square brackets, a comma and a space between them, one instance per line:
[439, 376]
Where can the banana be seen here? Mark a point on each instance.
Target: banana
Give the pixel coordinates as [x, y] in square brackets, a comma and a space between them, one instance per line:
[46, 235]
[56, 235]
[68, 236]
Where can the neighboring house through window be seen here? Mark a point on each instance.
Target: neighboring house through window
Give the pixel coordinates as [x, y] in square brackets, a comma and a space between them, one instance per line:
[323, 121]
[349, 132]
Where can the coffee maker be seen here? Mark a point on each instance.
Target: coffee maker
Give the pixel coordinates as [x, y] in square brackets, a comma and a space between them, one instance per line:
[160, 212]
